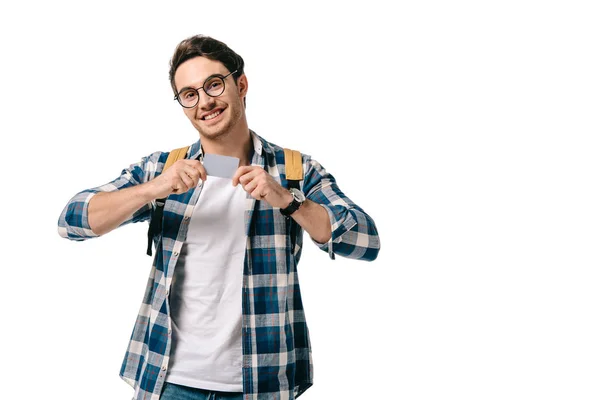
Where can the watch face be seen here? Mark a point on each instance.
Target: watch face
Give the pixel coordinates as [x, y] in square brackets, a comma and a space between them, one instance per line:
[298, 195]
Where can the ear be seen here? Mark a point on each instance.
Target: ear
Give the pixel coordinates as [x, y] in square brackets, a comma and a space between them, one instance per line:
[242, 86]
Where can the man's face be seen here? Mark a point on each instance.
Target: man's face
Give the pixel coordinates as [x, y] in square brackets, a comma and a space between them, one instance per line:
[229, 105]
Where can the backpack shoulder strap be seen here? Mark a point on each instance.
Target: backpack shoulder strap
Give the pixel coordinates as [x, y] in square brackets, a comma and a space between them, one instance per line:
[175, 155]
[157, 214]
[294, 172]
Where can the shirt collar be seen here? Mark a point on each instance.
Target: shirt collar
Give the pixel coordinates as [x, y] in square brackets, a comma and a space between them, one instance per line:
[258, 142]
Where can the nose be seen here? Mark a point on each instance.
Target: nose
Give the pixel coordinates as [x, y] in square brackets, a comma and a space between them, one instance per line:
[205, 102]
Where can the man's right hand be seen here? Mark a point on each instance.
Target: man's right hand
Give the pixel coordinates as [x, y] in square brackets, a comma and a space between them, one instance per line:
[182, 176]
[108, 210]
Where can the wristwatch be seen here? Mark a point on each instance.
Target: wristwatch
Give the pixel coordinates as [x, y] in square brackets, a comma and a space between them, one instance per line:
[298, 199]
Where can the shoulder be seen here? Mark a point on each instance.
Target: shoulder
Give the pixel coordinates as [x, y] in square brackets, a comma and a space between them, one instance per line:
[157, 159]
[150, 164]
[277, 152]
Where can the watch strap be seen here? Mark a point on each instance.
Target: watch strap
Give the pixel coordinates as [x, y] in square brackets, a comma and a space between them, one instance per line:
[293, 206]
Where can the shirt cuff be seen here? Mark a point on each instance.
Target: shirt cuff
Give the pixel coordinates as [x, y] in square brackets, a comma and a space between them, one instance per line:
[85, 225]
[346, 225]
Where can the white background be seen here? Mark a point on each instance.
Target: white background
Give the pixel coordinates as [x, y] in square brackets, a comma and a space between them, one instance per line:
[468, 130]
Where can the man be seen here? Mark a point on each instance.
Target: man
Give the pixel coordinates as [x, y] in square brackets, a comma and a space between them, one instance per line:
[222, 315]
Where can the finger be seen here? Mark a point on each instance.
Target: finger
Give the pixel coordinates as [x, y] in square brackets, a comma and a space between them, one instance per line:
[177, 185]
[203, 174]
[187, 181]
[258, 193]
[192, 173]
[251, 175]
[250, 186]
[241, 171]
[198, 166]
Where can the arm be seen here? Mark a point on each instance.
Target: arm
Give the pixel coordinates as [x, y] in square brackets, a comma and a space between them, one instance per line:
[353, 233]
[260, 185]
[313, 219]
[128, 198]
[122, 201]
[109, 210]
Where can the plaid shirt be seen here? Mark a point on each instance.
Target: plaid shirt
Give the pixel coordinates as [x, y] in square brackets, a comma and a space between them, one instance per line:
[277, 359]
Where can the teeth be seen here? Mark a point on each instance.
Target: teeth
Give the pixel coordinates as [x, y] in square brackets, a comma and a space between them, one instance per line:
[211, 116]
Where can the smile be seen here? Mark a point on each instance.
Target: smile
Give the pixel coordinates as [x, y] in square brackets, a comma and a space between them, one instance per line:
[213, 115]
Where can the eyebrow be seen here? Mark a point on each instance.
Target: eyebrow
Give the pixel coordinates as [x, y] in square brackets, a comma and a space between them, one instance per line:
[191, 87]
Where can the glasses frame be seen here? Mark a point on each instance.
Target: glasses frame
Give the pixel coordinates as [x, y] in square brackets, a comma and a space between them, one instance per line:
[202, 88]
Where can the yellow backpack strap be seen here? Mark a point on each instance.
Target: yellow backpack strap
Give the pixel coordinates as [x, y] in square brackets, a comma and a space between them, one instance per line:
[174, 155]
[294, 173]
[157, 214]
[293, 167]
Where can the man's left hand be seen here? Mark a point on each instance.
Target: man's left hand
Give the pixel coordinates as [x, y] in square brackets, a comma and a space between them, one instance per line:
[256, 181]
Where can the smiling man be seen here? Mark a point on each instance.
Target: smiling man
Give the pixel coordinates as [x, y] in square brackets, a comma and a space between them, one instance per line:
[222, 315]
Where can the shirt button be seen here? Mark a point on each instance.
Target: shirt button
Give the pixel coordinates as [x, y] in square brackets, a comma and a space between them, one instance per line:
[186, 219]
[176, 253]
[167, 293]
[164, 368]
[169, 331]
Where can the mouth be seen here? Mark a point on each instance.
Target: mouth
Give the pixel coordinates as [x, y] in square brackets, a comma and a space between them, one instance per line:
[213, 116]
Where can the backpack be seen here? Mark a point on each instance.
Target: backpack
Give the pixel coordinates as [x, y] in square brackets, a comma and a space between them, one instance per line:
[294, 173]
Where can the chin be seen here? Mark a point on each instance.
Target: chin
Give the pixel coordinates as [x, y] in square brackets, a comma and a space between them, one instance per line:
[221, 129]
[214, 132]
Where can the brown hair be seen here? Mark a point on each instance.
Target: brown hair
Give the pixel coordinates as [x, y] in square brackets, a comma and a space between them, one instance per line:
[205, 46]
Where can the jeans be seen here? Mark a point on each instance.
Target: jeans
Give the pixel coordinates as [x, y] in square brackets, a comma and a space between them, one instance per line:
[172, 391]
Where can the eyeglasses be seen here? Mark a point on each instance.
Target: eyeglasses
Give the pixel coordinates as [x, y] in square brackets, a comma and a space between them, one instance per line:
[213, 86]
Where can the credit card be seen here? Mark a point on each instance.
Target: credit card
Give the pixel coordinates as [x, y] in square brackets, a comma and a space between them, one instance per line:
[221, 166]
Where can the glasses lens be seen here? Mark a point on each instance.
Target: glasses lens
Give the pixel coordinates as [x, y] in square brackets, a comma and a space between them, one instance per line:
[214, 86]
[188, 98]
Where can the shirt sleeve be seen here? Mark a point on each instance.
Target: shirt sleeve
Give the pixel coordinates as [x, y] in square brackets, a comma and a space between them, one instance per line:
[73, 221]
[353, 231]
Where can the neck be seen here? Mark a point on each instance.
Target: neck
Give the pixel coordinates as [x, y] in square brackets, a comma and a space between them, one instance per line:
[236, 143]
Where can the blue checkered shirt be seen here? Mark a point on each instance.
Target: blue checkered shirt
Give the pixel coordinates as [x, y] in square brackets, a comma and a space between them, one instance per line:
[277, 359]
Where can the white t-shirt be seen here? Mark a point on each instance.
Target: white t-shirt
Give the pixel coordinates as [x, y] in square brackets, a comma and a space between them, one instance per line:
[206, 294]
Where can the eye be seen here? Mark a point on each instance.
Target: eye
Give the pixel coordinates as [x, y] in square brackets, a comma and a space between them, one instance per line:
[215, 85]
[188, 94]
